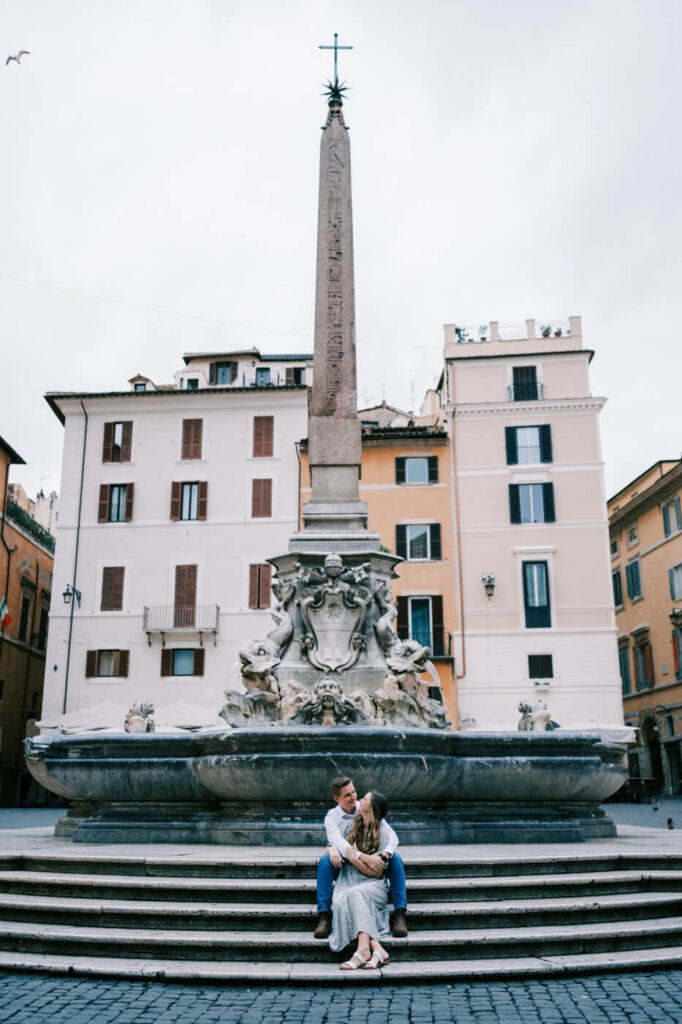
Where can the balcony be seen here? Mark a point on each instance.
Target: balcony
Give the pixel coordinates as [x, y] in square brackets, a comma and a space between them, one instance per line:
[173, 618]
[438, 639]
[530, 330]
[531, 391]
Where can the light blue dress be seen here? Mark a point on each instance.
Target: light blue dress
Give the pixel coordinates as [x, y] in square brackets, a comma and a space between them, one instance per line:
[359, 903]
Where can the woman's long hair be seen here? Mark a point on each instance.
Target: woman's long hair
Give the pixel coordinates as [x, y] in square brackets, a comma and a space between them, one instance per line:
[366, 836]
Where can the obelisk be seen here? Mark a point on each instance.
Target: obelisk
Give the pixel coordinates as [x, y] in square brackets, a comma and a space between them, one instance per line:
[334, 437]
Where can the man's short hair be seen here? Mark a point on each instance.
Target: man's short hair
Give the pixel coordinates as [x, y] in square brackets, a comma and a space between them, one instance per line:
[339, 783]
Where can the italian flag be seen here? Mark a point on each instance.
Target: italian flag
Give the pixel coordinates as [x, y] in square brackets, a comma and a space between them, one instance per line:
[5, 617]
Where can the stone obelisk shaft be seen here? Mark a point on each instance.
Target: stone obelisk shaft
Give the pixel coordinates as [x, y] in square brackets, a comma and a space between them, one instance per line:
[334, 429]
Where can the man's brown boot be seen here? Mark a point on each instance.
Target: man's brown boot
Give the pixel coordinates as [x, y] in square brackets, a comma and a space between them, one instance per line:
[399, 924]
[324, 926]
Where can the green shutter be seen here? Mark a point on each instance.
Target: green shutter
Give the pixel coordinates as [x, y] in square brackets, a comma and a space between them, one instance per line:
[514, 504]
[401, 541]
[666, 521]
[433, 468]
[545, 443]
[400, 470]
[548, 501]
[510, 443]
[436, 551]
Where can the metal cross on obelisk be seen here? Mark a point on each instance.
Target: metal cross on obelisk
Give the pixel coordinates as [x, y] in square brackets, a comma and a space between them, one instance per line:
[336, 49]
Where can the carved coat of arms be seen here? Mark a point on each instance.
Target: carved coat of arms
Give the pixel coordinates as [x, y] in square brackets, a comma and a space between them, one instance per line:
[333, 610]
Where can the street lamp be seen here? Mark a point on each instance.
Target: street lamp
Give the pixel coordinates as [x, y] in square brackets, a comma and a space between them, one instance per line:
[70, 593]
[488, 581]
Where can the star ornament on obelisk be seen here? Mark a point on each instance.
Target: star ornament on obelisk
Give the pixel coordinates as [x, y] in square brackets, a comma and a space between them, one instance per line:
[333, 428]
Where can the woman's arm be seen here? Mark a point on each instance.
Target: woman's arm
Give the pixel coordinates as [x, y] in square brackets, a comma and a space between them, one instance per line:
[359, 860]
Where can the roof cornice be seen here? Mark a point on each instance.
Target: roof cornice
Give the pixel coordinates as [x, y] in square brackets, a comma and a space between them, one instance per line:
[528, 408]
[648, 498]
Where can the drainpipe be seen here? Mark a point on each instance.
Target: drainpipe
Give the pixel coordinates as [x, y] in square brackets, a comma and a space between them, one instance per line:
[75, 560]
[29, 654]
[297, 446]
[10, 551]
[457, 533]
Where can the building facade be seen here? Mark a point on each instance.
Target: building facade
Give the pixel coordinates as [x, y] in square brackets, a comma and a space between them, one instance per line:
[172, 498]
[645, 523]
[26, 563]
[535, 616]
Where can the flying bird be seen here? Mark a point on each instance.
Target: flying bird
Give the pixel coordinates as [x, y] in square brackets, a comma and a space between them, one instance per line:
[16, 56]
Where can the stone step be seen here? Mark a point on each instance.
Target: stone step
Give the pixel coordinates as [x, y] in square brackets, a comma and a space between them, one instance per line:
[438, 944]
[302, 890]
[268, 917]
[317, 973]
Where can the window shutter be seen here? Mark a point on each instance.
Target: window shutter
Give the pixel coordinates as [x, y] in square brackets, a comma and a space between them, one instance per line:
[290, 375]
[108, 444]
[261, 498]
[103, 512]
[203, 499]
[434, 529]
[678, 513]
[191, 439]
[403, 618]
[666, 521]
[185, 586]
[199, 661]
[545, 443]
[126, 441]
[628, 580]
[91, 664]
[401, 541]
[635, 665]
[112, 588]
[254, 587]
[514, 504]
[234, 371]
[212, 373]
[400, 470]
[166, 662]
[123, 661]
[433, 469]
[510, 443]
[676, 655]
[129, 501]
[176, 499]
[671, 580]
[437, 645]
[264, 590]
[548, 501]
[263, 433]
[648, 663]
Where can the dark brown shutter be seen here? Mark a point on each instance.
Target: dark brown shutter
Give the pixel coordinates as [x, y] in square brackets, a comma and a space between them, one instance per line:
[403, 618]
[212, 373]
[166, 662]
[108, 445]
[263, 433]
[112, 588]
[254, 586]
[264, 590]
[185, 595]
[129, 501]
[103, 513]
[437, 641]
[176, 497]
[203, 499]
[191, 439]
[123, 661]
[261, 499]
[199, 661]
[126, 441]
[91, 664]
[290, 375]
[234, 371]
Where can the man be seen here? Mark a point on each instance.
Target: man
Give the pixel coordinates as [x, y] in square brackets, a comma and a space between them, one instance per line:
[388, 860]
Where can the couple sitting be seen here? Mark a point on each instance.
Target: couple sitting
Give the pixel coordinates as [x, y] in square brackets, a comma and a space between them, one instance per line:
[353, 877]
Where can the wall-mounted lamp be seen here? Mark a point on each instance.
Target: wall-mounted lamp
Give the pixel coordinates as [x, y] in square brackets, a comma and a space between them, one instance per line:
[488, 581]
[71, 592]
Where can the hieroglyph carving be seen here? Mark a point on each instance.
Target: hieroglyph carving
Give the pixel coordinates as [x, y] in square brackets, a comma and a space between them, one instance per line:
[333, 612]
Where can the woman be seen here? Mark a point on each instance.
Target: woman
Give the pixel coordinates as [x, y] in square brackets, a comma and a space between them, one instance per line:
[360, 901]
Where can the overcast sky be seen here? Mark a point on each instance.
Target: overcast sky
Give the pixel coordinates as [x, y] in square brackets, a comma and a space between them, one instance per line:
[158, 193]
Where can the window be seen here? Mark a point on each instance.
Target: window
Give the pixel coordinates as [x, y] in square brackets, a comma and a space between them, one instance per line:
[675, 580]
[617, 584]
[25, 616]
[261, 499]
[632, 536]
[531, 503]
[188, 500]
[525, 384]
[263, 435]
[117, 441]
[643, 664]
[527, 445]
[185, 596]
[536, 595]
[421, 619]
[192, 383]
[260, 577]
[262, 376]
[633, 580]
[115, 503]
[677, 653]
[418, 541]
[140, 387]
[223, 373]
[295, 375]
[624, 665]
[672, 519]
[416, 470]
[40, 638]
[106, 663]
[112, 588]
[614, 548]
[191, 439]
[182, 661]
[540, 666]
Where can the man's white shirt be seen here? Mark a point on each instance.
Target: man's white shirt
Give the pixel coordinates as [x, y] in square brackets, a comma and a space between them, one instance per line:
[333, 823]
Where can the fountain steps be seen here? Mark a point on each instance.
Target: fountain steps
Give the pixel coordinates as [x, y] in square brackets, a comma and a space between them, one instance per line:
[174, 917]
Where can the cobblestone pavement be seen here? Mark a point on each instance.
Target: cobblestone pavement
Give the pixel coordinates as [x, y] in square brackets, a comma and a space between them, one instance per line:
[637, 998]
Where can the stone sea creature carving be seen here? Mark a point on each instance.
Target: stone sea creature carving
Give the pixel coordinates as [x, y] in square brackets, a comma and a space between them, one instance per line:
[260, 658]
[333, 606]
[257, 708]
[535, 718]
[329, 705]
[293, 695]
[401, 655]
[139, 717]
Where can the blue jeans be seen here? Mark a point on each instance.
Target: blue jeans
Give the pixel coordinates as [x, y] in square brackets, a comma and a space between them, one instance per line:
[326, 873]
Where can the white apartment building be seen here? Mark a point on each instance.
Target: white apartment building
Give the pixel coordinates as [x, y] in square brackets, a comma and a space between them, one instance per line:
[535, 609]
[172, 498]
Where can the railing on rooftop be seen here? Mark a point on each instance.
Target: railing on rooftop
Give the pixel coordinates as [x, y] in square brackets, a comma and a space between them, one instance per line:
[495, 331]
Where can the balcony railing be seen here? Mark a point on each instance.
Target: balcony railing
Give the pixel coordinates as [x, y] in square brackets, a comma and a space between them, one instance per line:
[438, 639]
[169, 618]
[531, 392]
[529, 330]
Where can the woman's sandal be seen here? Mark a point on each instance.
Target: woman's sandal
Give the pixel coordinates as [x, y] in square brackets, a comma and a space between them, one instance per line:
[376, 960]
[354, 962]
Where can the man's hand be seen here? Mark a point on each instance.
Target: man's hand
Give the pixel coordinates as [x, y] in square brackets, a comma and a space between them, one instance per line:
[374, 864]
[335, 857]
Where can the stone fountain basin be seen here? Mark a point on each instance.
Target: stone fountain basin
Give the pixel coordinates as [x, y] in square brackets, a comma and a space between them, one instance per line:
[271, 785]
